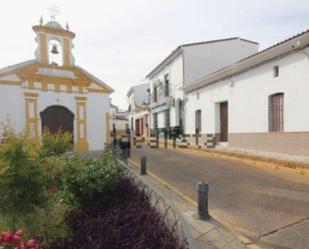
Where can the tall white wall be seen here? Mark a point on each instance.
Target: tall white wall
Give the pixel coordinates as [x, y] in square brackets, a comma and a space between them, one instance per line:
[97, 106]
[207, 58]
[12, 106]
[247, 95]
[175, 71]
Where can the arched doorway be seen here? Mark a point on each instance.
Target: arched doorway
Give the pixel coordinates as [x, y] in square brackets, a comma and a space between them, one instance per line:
[57, 118]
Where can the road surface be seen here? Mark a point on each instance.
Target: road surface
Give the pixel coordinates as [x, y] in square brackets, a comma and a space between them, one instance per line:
[269, 206]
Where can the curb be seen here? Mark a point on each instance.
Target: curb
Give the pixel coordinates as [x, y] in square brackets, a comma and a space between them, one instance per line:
[300, 167]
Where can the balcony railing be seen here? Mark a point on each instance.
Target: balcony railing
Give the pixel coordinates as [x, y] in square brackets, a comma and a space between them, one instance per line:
[168, 101]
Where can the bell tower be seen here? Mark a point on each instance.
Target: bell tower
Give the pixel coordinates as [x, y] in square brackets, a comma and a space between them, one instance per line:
[54, 44]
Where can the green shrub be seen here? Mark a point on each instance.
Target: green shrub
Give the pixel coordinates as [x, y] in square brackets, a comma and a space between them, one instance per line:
[55, 144]
[84, 178]
[21, 178]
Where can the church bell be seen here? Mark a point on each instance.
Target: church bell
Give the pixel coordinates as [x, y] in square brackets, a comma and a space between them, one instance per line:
[54, 50]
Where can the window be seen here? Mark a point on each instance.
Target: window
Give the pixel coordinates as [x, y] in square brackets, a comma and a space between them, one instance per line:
[198, 121]
[276, 71]
[155, 94]
[167, 84]
[197, 95]
[167, 118]
[275, 112]
[155, 120]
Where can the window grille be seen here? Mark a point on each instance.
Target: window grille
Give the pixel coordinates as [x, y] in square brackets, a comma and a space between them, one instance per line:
[198, 121]
[276, 111]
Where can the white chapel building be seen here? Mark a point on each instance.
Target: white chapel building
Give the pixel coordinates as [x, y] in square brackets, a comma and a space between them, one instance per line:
[51, 92]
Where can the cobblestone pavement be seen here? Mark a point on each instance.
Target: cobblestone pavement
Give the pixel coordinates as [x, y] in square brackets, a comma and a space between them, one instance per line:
[269, 206]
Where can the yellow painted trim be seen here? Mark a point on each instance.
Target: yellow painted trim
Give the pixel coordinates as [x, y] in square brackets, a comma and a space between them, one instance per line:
[82, 143]
[31, 94]
[48, 79]
[11, 83]
[81, 98]
[80, 89]
[57, 87]
[32, 120]
[30, 73]
[60, 32]
[43, 49]
[66, 53]
[69, 88]
[44, 86]
[31, 84]
[93, 90]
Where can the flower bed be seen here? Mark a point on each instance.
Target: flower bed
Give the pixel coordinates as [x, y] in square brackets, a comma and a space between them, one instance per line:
[121, 218]
[68, 201]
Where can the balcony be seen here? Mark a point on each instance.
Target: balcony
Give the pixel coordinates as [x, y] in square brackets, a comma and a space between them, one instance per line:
[167, 101]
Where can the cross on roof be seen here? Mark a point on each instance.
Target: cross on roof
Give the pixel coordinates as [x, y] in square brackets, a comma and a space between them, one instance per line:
[54, 11]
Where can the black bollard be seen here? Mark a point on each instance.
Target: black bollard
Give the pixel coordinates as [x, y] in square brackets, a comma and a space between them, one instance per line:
[165, 138]
[174, 142]
[143, 165]
[202, 191]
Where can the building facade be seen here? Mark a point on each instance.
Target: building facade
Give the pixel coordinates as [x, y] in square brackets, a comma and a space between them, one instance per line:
[119, 121]
[184, 65]
[259, 103]
[139, 118]
[51, 92]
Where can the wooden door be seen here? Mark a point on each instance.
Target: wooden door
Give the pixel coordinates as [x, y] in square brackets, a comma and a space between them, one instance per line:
[57, 119]
[142, 126]
[224, 121]
[198, 121]
[137, 127]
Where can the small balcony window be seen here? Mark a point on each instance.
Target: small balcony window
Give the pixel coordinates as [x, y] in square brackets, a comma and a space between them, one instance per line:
[276, 71]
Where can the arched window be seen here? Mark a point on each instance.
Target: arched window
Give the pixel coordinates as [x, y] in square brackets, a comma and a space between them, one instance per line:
[276, 112]
[55, 53]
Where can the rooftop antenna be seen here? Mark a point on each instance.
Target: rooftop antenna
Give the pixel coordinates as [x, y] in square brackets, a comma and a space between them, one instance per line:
[54, 11]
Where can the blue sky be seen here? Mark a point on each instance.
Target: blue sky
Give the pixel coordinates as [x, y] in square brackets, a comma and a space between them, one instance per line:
[120, 41]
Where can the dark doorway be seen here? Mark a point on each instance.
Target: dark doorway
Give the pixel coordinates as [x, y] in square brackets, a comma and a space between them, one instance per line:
[57, 119]
[137, 127]
[142, 126]
[180, 114]
[224, 123]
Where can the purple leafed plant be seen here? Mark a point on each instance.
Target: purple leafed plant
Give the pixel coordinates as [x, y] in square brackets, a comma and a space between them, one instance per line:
[120, 218]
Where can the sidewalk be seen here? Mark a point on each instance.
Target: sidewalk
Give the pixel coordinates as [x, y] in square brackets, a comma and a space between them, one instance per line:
[208, 234]
[280, 159]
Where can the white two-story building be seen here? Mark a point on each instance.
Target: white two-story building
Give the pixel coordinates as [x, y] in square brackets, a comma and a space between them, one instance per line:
[259, 103]
[139, 118]
[186, 64]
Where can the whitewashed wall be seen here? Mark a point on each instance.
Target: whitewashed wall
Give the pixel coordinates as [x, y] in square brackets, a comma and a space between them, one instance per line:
[97, 107]
[12, 106]
[207, 58]
[120, 124]
[175, 70]
[247, 95]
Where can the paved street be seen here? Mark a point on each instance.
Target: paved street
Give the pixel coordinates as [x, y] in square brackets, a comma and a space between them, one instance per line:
[269, 206]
